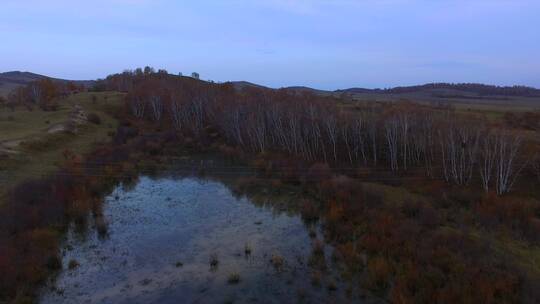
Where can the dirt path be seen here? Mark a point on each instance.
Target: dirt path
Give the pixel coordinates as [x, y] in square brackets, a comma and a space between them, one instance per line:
[10, 146]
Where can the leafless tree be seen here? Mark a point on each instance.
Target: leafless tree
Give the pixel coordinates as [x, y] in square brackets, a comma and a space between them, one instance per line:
[331, 128]
[459, 145]
[257, 131]
[360, 135]
[536, 166]
[391, 128]
[36, 93]
[373, 134]
[178, 111]
[506, 168]
[427, 127]
[314, 132]
[235, 122]
[347, 133]
[404, 127]
[137, 106]
[156, 104]
[488, 153]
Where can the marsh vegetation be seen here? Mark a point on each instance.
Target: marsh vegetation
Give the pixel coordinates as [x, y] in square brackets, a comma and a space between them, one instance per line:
[207, 190]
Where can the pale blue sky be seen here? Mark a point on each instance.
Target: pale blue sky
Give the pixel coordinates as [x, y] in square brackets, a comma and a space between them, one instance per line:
[325, 44]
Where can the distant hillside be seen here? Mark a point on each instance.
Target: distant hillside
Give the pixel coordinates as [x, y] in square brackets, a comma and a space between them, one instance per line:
[358, 90]
[436, 90]
[245, 84]
[301, 90]
[14, 79]
[431, 91]
[240, 85]
[452, 90]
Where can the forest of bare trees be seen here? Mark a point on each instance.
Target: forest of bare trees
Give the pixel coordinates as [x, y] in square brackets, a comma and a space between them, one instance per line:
[398, 137]
[42, 93]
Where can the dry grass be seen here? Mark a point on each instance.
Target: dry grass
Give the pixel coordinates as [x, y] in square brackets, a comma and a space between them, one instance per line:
[43, 153]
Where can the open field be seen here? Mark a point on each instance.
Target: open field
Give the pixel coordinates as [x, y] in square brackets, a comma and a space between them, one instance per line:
[514, 103]
[493, 107]
[26, 148]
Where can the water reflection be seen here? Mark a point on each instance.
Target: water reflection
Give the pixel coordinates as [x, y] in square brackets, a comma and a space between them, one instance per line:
[190, 240]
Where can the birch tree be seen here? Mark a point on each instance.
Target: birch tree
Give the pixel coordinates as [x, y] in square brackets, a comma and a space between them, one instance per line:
[506, 167]
[391, 128]
[488, 153]
[459, 145]
[156, 104]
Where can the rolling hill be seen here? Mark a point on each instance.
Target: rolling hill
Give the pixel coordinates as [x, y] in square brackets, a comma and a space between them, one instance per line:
[14, 79]
[459, 93]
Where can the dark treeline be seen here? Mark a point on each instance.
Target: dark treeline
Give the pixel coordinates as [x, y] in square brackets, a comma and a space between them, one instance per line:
[475, 88]
[398, 137]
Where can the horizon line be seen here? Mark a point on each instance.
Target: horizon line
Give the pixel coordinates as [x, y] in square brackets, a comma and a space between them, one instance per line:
[293, 86]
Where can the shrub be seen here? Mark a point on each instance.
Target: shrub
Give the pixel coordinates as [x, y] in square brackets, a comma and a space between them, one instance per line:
[317, 260]
[429, 217]
[318, 172]
[379, 272]
[312, 232]
[318, 247]
[54, 262]
[247, 249]
[309, 211]
[102, 226]
[345, 188]
[123, 133]
[332, 286]
[234, 278]
[316, 278]
[214, 261]
[517, 214]
[94, 118]
[277, 261]
[73, 264]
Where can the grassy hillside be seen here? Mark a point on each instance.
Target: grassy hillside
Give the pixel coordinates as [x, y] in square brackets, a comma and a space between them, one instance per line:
[26, 148]
[11, 80]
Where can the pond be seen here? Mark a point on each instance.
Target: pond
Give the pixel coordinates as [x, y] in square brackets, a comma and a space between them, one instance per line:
[191, 240]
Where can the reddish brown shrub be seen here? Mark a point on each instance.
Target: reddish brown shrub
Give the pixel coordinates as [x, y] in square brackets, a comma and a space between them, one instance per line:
[379, 274]
[94, 118]
[318, 172]
[519, 215]
[309, 210]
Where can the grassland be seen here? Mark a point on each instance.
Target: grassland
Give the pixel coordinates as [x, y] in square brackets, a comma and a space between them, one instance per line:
[26, 148]
[493, 107]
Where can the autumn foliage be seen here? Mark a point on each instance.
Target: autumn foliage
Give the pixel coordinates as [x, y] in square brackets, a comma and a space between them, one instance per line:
[411, 252]
[38, 211]
[402, 138]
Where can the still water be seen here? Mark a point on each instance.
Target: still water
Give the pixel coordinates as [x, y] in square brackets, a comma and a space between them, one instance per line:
[163, 236]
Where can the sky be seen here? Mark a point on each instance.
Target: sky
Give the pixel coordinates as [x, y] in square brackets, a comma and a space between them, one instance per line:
[326, 44]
